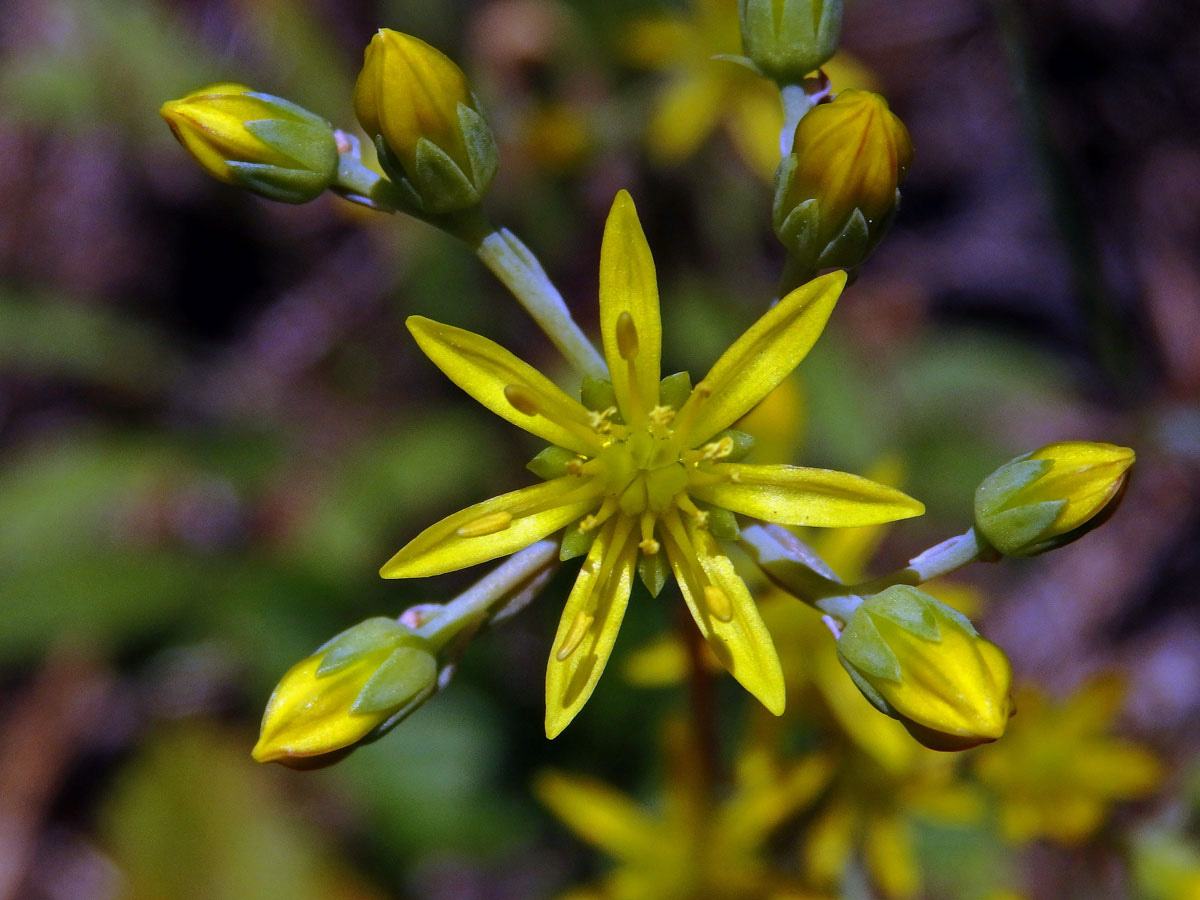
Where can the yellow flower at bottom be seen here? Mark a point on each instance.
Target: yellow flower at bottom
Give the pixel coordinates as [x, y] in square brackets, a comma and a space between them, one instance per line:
[646, 475]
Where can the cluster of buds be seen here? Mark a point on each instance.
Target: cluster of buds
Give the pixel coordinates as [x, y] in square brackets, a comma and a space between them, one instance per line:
[256, 141]
[354, 688]
[838, 190]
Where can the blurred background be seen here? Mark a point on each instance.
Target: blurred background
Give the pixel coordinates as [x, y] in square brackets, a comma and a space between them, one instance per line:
[214, 427]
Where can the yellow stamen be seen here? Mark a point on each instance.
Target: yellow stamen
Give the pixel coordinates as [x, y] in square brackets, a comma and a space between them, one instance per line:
[592, 521]
[716, 450]
[718, 603]
[627, 336]
[648, 545]
[685, 503]
[662, 416]
[485, 524]
[523, 400]
[600, 422]
[579, 627]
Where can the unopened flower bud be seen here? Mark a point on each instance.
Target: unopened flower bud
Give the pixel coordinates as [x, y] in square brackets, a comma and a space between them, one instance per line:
[837, 193]
[922, 662]
[417, 106]
[256, 141]
[1050, 497]
[788, 39]
[356, 686]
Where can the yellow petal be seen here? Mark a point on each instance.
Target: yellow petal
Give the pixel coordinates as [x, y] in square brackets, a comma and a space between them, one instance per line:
[755, 124]
[589, 624]
[496, 527]
[762, 357]
[742, 644]
[792, 495]
[628, 285]
[485, 370]
[600, 815]
[829, 843]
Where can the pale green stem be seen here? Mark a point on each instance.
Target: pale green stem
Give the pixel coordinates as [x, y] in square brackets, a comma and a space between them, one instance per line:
[516, 266]
[795, 567]
[796, 103]
[506, 583]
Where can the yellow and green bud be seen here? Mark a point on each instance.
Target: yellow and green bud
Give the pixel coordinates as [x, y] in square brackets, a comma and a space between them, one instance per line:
[838, 190]
[788, 39]
[1052, 496]
[922, 662]
[356, 686]
[417, 106]
[256, 141]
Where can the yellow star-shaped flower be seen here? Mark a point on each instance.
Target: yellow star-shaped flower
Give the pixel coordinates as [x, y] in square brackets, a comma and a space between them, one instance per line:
[650, 475]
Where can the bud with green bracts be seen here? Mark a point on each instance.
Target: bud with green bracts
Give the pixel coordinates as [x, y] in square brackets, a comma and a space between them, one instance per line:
[924, 664]
[417, 106]
[837, 192]
[256, 141]
[1051, 497]
[355, 687]
[788, 39]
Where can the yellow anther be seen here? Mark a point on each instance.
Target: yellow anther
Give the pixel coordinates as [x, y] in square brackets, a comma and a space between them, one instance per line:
[522, 399]
[662, 416]
[601, 422]
[575, 465]
[715, 450]
[575, 634]
[649, 547]
[627, 336]
[486, 524]
[718, 603]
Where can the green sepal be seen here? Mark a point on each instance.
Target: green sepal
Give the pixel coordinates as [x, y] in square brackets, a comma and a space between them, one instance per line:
[597, 394]
[313, 147]
[1018, 531]
[861, 646]
[575, 542]
[674, 390]
[481, 147]
[868, 690]
[281, 185]
[368, 636]
[289, 108]
[907, 607]
[654, 571]
[744, 61]
[551, 462]
[441, 183]
[850, 246]
[404, 674]
[722, 524]
[394, 169]
[995, 491]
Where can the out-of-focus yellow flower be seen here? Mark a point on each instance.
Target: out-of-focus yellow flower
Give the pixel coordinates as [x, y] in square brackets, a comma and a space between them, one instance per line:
[256, 141]
[837, 192]
[629, 466]
[1058, 771]
[363, 680]
[417, 106]
[1052, 496]
[923, 663]
[556, 137]
[686, 848]
[703, 93]
[789, 39]
[1166, 865]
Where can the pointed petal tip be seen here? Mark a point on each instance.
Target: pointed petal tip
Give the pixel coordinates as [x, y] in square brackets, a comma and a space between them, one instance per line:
[557, 722]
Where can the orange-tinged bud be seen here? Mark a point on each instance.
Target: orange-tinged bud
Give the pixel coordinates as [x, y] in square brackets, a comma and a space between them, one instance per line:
[1052, 496]
[255, 141]
[417, 106]
[356, 686]
[837, 192]
[922, 662]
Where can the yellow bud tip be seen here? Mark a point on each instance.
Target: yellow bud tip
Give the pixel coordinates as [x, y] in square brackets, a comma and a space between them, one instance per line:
[522, 399]
[579, 626]
[486, 524]
[627, 336]
[718, 603]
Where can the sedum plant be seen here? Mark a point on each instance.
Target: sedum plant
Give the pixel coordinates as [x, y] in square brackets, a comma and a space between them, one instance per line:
[644, 476]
